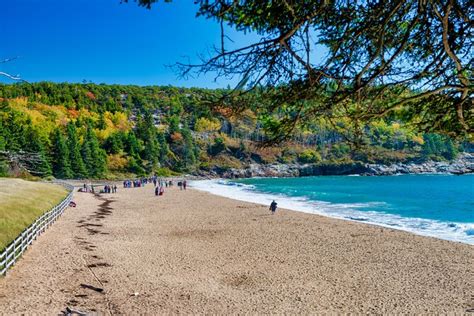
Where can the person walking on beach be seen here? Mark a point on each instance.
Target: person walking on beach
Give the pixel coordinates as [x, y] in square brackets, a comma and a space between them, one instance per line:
[273, 207]
[184, 184]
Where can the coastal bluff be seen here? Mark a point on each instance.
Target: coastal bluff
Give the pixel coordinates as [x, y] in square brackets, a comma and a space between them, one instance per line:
[462, 165]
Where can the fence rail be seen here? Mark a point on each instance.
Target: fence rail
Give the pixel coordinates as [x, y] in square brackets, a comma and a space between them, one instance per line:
[18, 246]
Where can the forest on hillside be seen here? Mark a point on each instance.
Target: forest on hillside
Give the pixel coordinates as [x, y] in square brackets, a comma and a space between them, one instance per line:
[114, 131]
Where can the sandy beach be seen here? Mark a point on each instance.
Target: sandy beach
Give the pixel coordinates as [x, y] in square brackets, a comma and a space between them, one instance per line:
[193, 252]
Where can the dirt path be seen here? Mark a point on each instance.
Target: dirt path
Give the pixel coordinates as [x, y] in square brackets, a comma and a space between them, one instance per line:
[192, 252]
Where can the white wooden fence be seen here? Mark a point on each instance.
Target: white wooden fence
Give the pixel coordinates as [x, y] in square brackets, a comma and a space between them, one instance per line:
[18, 246]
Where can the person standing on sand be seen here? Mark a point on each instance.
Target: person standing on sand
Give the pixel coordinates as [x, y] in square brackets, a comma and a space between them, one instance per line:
[273, 206]
[184, 184]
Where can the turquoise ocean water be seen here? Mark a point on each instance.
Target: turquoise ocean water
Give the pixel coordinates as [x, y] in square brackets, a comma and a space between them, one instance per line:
[433, 205]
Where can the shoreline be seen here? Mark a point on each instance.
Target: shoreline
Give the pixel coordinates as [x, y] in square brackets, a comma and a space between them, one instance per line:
[450, 231]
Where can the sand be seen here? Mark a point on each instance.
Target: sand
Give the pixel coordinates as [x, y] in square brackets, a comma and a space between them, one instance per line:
[193, 252]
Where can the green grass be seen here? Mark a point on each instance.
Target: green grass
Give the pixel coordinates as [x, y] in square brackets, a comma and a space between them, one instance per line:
[22, 202]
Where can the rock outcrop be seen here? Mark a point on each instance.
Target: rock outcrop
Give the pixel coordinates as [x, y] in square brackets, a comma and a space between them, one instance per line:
[463, 164]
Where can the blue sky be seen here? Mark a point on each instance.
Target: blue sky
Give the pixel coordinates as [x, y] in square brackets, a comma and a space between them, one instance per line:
[104, 41]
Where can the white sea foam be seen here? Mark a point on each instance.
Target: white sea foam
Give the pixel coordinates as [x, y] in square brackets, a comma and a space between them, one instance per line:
[460, 232]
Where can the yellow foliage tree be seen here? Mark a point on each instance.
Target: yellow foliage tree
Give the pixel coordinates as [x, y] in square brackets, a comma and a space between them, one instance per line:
[116, 162]
[205, 125]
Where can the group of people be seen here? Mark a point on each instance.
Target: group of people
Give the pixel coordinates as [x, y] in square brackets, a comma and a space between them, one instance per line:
[138, 183]
[109, 189]
[87, 188]
[160, 185]
[182, 185]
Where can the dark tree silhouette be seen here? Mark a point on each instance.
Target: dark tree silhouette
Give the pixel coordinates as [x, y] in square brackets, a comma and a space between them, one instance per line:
[323, 57]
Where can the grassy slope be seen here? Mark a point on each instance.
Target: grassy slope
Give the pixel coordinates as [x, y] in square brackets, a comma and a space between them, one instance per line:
[21, 202]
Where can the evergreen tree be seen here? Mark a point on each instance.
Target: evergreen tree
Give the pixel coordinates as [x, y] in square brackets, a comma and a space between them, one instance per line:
[438, 144]
[135, 167]
[3, 129]
[132, 145]
[451, 151]
[164, 148]
[15, 131]
[93, 156]
[86, 155]
[146, 130]
[60, 154]
[74, 148]
[173, 125]
[114, 144]
[188, 157]
[428, 146]
[37, 163]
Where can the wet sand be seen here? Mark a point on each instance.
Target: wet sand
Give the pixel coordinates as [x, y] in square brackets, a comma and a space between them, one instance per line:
[193, 252]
